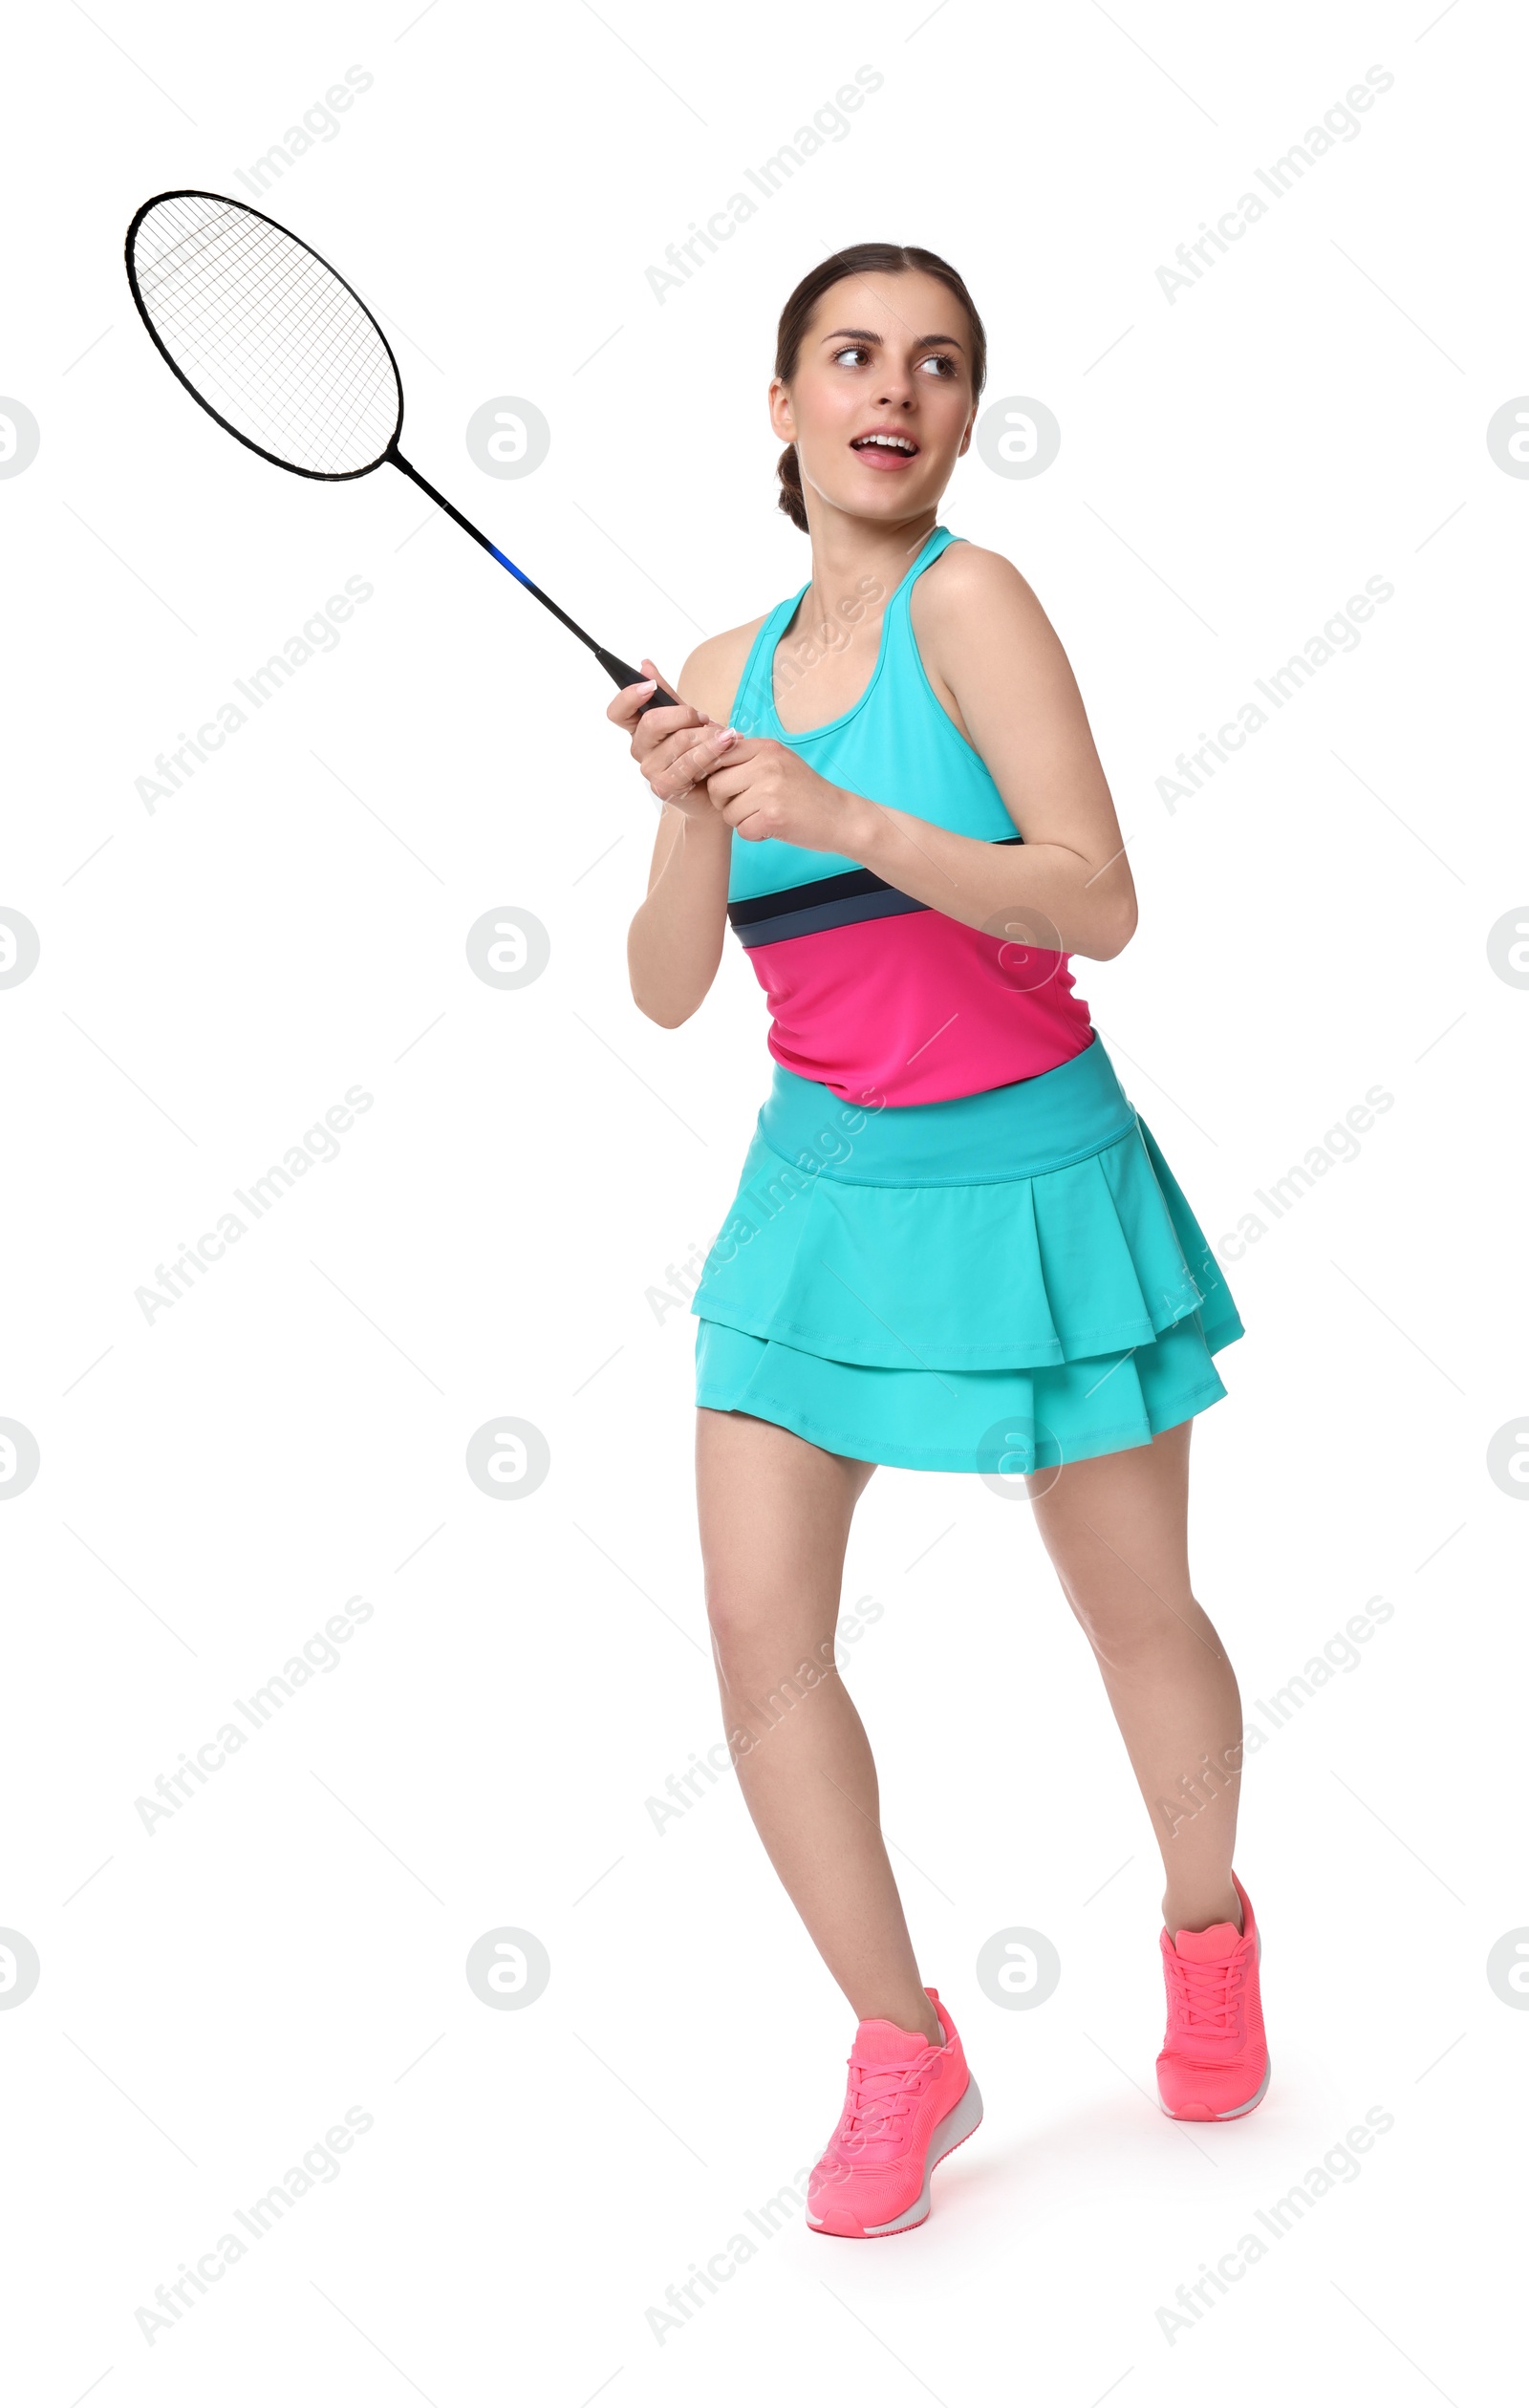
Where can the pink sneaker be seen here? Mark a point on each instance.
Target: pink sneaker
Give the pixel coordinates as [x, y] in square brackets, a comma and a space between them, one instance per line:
[907, 2105]
[1214, 2064]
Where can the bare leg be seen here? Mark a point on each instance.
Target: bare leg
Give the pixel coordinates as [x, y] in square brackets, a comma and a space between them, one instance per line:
[1116, 1528]
[775, 1515]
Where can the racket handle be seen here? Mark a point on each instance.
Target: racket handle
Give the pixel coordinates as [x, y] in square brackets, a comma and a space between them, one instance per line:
[623, 674]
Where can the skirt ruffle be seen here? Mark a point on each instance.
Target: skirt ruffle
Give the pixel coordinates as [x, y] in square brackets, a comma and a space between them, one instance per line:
[989, 1325]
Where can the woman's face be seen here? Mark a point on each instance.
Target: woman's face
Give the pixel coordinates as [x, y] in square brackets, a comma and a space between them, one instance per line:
[880, 407]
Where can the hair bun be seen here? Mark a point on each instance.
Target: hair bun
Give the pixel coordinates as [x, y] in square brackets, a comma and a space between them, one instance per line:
[790, 498]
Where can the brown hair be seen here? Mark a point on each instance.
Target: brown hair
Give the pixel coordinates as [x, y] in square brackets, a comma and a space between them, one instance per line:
[860, 259]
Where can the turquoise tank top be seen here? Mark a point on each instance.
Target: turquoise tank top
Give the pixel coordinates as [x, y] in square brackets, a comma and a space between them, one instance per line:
[872, 993]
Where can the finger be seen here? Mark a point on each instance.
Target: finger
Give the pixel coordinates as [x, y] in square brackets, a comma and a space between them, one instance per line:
[676, 750]
[628, 704]
[668, 715]
[692, 763]
[730, 777]
[651, 669]
[626, 709]
[747, 747]
[654, 727]
[742, 815]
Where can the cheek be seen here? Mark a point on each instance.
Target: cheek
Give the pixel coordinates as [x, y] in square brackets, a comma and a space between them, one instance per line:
[948, 406]
[828, 411]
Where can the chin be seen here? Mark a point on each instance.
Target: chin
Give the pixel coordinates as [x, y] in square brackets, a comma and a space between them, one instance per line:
[894, 497]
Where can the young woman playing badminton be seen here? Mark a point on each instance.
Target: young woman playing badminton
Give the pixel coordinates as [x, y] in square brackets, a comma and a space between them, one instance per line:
[956, 1246]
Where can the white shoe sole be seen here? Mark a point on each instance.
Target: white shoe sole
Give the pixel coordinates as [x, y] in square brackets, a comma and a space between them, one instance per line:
[948, 2134]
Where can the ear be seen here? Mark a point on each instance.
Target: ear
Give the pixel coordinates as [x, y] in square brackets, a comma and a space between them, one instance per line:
[781, 417]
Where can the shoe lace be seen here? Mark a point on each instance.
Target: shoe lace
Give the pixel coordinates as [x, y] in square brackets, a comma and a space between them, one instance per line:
[1209, 1996]
[881, 2097]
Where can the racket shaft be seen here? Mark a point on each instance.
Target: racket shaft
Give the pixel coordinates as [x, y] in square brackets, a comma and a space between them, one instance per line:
[616, 669]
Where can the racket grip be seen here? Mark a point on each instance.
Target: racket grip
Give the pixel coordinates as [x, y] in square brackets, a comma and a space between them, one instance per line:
[622, 674]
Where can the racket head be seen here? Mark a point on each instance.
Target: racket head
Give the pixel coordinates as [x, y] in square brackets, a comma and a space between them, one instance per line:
[264, 335]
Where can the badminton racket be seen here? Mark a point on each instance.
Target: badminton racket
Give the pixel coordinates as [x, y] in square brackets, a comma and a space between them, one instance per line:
[287, 357]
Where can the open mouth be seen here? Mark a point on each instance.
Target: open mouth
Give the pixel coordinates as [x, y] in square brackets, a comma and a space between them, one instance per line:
[885, 447]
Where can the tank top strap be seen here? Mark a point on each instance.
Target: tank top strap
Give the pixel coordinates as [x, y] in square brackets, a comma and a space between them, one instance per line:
[900, 648]
[940, 540]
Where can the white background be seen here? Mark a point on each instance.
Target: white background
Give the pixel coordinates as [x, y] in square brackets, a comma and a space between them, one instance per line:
[216, 973]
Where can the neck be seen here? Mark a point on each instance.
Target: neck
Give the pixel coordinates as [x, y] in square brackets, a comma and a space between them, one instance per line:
[847, 550]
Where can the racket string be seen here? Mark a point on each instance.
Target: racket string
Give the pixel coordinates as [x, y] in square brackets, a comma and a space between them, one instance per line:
[222, 343]
[257, 322]
[235, 343]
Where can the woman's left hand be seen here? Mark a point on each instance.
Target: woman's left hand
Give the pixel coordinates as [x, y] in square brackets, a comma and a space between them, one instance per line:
[762, 788]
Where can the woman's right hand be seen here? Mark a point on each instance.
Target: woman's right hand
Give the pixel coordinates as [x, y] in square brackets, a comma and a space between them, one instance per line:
[675, 748]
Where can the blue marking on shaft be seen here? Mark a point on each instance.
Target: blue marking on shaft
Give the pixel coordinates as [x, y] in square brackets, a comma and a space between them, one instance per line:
[509, 565]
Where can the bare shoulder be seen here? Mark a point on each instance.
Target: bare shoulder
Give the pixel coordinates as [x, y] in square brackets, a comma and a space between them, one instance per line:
[968, 586]
[985, 639]
[709, 677]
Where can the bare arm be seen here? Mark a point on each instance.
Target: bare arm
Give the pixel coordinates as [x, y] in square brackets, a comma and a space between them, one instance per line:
[993, 660]
[676, 938]
[990, 649]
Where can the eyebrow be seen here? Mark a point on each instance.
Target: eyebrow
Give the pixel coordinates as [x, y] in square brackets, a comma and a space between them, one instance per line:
[863, 335]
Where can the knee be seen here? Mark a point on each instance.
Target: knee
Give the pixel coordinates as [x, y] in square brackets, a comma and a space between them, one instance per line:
[758, 1648]
[1130, 1634]
[1110, 1637]
[737, 1615]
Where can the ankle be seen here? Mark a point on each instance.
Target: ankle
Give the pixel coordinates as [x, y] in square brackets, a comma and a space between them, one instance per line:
[924, 2018]
[1198, 1910]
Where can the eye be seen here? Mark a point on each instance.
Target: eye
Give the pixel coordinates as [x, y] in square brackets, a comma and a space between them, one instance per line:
[940, 362]
[854, 352]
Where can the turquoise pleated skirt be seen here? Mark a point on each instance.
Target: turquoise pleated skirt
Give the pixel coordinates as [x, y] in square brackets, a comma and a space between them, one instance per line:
[996, 1283]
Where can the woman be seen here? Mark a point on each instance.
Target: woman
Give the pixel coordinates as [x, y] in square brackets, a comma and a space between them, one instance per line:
[955, 1245]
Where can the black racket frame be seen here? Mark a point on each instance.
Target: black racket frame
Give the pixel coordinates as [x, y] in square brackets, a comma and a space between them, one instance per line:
[615, 667]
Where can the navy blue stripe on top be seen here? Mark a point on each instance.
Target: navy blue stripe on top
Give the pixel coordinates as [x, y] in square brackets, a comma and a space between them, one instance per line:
[819, 903]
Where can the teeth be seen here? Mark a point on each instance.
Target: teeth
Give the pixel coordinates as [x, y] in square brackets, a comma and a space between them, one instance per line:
[889, 442]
